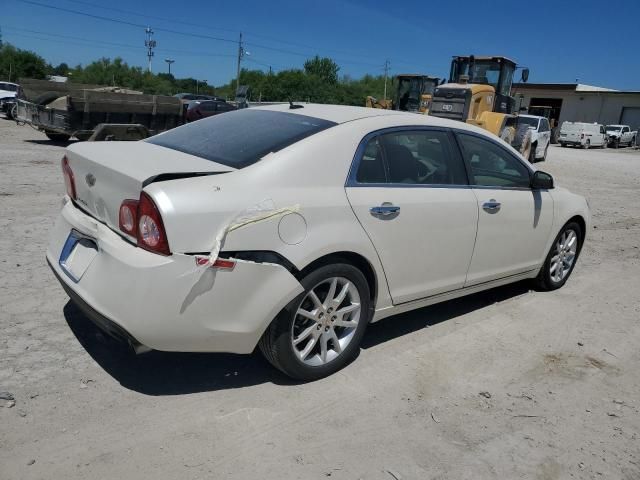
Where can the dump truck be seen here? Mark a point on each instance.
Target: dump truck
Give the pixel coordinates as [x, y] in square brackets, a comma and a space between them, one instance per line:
[65, 110]
[479, 92]
[413, 93]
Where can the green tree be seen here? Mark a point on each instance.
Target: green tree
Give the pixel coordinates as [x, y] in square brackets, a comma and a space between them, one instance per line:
[324, 68]
[16, 63]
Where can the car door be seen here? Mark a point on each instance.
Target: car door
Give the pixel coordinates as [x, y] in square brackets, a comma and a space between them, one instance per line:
[409, 190]
[626, 135]
[514, 221]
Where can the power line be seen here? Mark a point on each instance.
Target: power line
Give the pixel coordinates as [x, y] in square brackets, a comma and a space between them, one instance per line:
[106, 43]
[189, 34]
[200, 25]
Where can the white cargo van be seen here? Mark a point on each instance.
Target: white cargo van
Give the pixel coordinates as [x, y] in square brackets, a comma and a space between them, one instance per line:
[583, 135]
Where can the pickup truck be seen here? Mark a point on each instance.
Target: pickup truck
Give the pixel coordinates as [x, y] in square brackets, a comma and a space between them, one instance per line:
[8, 94]
[620, 135]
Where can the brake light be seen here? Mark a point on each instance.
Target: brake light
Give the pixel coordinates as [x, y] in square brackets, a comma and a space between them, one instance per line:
[69, 181]
[141, 219]
[150, 233]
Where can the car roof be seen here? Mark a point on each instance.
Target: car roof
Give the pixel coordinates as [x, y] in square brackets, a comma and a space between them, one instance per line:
[616, 125]
[343, 114]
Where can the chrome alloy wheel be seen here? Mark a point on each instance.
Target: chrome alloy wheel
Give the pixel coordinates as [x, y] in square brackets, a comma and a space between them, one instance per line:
[322, 329]
[564, 255]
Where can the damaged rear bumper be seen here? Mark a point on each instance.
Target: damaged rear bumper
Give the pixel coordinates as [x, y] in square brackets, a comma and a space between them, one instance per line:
[168, 303]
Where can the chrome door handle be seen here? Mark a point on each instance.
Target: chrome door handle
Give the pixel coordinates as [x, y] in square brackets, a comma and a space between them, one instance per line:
[492, 206]
[384, 210]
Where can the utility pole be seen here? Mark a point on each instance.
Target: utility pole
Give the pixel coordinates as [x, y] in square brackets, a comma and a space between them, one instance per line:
[150, 44]
[386, 74]
[169, 62]
[240, 55]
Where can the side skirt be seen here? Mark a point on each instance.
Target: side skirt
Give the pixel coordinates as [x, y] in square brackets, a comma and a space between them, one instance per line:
[443, 297]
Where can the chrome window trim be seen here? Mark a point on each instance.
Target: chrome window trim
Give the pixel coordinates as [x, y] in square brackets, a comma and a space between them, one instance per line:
[355, 162]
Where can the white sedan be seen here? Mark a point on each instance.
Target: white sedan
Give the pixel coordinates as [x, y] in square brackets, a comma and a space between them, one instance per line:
[293, 227]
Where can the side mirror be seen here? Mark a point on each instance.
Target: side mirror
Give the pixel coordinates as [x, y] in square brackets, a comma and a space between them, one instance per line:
[541, 181]
[525, 75]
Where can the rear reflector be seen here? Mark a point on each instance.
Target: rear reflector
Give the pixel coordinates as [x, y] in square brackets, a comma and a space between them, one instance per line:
[69, 181]
[222, 263]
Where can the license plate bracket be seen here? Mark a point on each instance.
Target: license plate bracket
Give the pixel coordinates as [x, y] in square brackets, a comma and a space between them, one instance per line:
[78, 252]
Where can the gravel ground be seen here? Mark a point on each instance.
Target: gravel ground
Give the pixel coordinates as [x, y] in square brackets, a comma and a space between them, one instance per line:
[509, 383]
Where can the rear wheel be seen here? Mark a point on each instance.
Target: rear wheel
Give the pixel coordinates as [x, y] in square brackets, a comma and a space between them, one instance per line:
[319, 332]
[561, 258]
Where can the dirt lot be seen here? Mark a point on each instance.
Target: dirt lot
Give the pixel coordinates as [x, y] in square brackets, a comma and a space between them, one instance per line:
[505, 384]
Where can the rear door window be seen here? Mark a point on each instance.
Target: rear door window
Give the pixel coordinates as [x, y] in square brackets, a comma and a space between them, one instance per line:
[242, 137]
[417, 157]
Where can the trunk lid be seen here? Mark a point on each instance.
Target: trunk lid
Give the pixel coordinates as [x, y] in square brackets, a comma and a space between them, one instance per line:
[106, 173]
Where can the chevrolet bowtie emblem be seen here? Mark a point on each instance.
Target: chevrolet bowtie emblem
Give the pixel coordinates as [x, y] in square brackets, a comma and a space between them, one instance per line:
[90, 179]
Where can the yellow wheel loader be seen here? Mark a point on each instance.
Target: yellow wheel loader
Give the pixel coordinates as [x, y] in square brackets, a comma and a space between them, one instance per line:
[479, 93]
[413, 93]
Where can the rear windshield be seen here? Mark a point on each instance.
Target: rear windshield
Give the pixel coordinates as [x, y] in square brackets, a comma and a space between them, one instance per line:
[241, 138]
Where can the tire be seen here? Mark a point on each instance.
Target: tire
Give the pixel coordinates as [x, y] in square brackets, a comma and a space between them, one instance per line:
[544, 157]
[46, 98]
[57, 137]
[587, 144]
[532, 153]
[546, 279]
[277, 343]
[563, 145]
[83, 137]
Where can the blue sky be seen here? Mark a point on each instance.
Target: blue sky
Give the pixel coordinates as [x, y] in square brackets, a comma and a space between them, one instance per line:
[587, 40]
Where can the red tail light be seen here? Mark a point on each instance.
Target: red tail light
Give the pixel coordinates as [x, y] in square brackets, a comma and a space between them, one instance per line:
[141, 219]
[69, 181]
[128, 217]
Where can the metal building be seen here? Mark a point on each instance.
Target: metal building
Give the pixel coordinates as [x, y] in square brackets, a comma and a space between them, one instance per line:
[577, 102]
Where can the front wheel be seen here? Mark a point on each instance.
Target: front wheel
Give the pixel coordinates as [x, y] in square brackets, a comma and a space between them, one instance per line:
[561, 258]
[319, 332]
[546, 149]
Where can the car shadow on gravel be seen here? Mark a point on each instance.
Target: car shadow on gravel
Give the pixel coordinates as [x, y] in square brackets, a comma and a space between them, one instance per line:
[46, 141]
[171, 373]
[409, 322]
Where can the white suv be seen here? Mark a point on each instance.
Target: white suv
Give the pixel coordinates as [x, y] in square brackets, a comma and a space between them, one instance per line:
[540, 136]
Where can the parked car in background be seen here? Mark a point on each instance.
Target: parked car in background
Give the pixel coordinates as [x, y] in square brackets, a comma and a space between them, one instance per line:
[620, 135]
[8, 94]
[541, 135]
[198, 109]
[580, 134]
